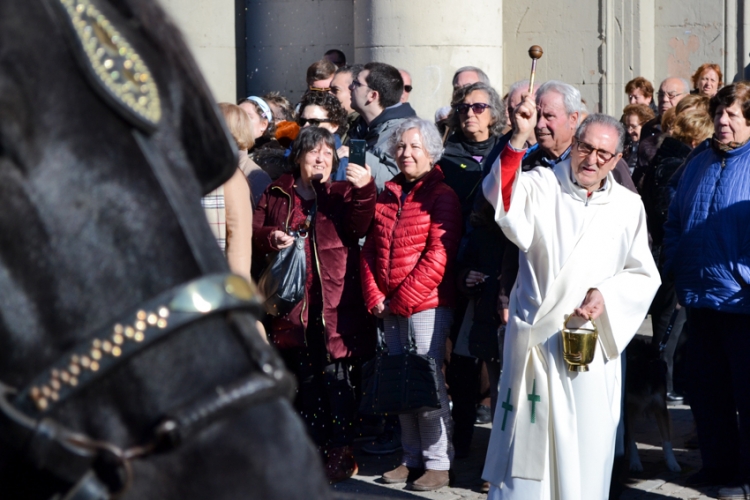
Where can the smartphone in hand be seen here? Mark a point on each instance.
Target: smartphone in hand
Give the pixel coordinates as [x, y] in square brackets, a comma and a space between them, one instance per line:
[357, 152]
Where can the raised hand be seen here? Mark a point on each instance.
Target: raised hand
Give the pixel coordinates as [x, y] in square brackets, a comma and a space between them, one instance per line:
[525, 121]
[359, 176]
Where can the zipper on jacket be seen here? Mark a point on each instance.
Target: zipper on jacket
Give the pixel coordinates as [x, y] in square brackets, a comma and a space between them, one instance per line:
[723, 162]
[289, 211]
[320, 279]
[286, 230]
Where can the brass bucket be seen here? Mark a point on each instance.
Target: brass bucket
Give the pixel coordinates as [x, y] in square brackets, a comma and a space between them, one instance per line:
[579, 346]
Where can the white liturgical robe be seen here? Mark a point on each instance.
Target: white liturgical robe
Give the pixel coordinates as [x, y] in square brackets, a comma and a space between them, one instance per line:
[553, 433]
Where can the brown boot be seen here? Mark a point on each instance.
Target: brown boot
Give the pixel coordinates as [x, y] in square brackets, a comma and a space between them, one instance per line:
[397, 475]
[340, 464]
[432, 480]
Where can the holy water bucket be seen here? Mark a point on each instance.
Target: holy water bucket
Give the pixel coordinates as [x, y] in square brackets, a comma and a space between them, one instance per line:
[579, 345]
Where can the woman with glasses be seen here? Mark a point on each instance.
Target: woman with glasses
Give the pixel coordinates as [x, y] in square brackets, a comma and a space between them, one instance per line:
[633, 118]
[321, 109]
[477, 121]
[324, 335]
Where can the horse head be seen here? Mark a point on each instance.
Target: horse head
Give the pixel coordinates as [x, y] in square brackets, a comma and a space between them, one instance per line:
[108, 139]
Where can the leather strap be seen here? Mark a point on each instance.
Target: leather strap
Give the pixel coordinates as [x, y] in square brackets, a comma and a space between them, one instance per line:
[129, 334]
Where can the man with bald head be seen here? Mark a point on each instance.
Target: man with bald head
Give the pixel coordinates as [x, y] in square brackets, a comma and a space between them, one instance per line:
[671, 91]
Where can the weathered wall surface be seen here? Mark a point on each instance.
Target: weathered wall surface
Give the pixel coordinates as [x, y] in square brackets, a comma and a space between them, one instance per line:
[286, 36]
[208, 28]
[431, 39]
[597, 45]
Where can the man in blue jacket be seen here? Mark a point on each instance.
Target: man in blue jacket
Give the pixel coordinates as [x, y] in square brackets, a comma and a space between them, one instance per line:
[707, 244]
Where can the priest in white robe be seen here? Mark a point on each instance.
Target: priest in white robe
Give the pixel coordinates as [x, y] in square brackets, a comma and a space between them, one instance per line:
[583, 251]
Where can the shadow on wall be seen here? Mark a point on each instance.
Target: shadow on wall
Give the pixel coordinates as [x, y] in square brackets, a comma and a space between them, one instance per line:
[284, 38]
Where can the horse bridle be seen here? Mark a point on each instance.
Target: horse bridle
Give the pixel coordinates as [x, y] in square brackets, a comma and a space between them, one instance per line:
[71, 456]
[100, 470]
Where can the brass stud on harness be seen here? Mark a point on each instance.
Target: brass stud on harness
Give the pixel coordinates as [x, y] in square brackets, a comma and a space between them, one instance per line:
[118, 329]
[139, 336]
[55, 384]
[162, 323]
[35, 393]
[74, 370]
[118, 339]
[94, 366]
[116, 351]
[163, 312]
[96, 344]
[141, 314]
[107, 347]
[65, 377]
[85, 362]
[129, 332]
[46, 391]
[41, 404]
[96, 354]
[151, 319]
[140, 325]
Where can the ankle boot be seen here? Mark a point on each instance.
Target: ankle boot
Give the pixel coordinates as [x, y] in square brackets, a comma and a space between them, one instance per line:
[432, 480]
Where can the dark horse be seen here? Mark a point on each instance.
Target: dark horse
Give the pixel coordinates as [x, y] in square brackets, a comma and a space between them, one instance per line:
[117, 377]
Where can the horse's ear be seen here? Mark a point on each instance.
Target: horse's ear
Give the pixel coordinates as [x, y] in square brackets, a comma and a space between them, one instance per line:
[206, 140]
[122, 78]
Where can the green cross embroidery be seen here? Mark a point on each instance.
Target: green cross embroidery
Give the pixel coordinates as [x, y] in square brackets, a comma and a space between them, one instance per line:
[534, 398]
[507, 407]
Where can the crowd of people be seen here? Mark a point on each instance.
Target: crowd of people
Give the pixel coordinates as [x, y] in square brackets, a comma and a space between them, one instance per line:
[462, 227]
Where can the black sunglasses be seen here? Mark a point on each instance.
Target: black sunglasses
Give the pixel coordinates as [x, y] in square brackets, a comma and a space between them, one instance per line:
[315, 122]
[408, 88]
[478, 108]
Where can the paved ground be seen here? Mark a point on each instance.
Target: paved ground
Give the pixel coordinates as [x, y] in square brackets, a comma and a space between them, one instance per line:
[656, 482]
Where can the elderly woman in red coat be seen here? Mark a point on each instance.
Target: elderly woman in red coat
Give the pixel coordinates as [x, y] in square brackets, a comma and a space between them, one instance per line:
[324, 335]
[406, 276]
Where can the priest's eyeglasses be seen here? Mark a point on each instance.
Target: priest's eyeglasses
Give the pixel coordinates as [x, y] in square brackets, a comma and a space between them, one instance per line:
[601, 155]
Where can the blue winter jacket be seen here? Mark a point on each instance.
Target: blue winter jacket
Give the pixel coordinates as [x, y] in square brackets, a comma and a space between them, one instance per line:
[707, 234]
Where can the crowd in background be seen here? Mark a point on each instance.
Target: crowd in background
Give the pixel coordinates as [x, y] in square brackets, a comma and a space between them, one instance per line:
[407, 242]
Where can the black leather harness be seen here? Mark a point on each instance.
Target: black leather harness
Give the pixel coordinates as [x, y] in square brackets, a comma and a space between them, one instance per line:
[99, 470]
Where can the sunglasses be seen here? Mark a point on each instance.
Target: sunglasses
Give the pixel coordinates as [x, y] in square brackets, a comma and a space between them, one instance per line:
[319, 89]
[408, 88]
[355, 84]
[314, 122]
[478, 108]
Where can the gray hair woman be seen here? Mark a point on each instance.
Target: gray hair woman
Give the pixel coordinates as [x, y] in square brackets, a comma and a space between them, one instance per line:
[477, 120]
[407, 279]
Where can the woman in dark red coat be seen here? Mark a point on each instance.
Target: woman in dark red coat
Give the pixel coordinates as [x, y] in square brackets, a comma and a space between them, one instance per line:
[327, 332]
[407, 276]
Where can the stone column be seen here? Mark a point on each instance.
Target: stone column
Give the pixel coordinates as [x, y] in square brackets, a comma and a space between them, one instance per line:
[208, 28]
[431, 39]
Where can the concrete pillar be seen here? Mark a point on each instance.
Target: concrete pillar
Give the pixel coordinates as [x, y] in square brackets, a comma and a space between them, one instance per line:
[209, 31]
[284, 38]
[431, 39]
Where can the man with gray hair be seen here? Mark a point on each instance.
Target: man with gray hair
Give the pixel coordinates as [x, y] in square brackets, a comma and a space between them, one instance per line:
[467, 75]
[585, 263]
[559, 111]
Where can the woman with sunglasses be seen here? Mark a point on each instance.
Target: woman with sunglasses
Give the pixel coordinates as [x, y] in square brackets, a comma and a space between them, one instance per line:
[477, 120]
[321, 109]
[477, 123]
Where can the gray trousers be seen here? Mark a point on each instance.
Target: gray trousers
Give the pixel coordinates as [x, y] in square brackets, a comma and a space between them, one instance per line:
[426, 436]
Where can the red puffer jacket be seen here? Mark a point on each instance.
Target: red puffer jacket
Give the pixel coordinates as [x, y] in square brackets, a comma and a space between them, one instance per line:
[409, 253]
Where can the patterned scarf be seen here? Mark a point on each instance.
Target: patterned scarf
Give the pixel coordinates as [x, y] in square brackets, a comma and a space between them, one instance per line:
[724, 148]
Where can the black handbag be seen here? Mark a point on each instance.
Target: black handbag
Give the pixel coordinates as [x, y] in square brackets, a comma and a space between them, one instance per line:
[283, 281]
[402, 383]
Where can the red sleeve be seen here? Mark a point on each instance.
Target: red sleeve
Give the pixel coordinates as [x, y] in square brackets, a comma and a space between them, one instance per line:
[510, 160]
[441, 248]
[262, 244]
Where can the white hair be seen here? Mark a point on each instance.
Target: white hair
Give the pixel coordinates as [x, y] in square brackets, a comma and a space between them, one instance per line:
[431, 140]
[570, 95]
